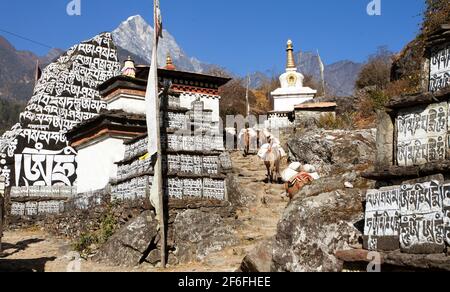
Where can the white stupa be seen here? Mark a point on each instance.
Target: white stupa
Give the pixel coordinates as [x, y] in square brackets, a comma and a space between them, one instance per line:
[290, 94]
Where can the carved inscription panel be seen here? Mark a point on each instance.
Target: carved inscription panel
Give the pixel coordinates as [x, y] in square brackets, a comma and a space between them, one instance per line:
[422, 134]
[440, 68]
[412, 217]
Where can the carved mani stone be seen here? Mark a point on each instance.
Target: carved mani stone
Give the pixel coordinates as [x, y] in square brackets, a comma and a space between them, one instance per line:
[382, 224]
[422, 218]
[446, 205]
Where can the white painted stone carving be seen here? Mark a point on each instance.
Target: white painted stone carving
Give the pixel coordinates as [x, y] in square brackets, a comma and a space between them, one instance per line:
[214, 189]
[440, 68]
[382, 218]
[421, 209]
[414, 218]
[422, 134]
[446, 205]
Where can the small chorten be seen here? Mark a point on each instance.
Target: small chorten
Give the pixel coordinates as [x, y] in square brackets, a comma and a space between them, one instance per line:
[169, 63]
[129, 68]
[291, 91]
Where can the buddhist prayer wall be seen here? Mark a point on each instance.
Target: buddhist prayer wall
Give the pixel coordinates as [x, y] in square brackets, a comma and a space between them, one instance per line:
[35, 152]
[192, 166]
[39, 200]
[414, 217]
[412, 213]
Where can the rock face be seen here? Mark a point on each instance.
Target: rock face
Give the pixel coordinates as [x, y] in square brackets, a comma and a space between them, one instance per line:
[198, 233]
[258, 260]
[324, 216]
[235, 195]
[332, 151]
[132, 244]
[312, 229]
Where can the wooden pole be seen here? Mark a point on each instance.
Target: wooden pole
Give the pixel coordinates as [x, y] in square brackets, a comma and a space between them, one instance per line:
[158, 169]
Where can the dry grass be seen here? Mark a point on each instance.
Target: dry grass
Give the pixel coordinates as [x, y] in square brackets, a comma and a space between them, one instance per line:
[333, 122]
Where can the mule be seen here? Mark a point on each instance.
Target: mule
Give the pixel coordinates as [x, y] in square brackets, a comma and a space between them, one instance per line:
[272, 160]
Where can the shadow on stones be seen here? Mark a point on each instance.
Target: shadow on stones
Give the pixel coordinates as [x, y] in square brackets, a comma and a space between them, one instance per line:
[28, 265]
[18, 247]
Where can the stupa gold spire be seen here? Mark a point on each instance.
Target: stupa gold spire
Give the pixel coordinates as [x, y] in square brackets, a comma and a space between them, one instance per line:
[290, 55]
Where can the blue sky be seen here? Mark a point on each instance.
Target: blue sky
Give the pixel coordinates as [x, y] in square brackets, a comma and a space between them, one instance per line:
[241, 35]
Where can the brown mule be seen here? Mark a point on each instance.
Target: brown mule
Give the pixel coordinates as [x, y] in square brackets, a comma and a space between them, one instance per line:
[295, 185]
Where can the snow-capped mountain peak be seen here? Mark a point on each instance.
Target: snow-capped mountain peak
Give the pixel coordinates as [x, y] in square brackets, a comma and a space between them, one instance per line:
[136, 35]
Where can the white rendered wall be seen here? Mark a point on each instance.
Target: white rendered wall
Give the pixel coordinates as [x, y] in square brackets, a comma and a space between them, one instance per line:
[287, 104]
[136, 105]
[96, 164]
[129, 104]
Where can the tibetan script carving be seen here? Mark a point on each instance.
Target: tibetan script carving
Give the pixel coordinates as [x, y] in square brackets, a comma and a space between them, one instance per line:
[412, 217]
[440, 68]
[446, 205]
[382, 224]
[422, 135]
[421, 209]
[63, 97]
[40, 167]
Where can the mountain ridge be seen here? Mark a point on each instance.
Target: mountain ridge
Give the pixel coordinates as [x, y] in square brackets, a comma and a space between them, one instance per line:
[340, 77]
[135, 35]
[133, 38]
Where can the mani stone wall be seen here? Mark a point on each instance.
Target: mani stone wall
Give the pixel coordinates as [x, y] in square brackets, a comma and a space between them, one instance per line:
[411, 209]
[192, 168]
[35, 152]
[414, 131]
[313, 111]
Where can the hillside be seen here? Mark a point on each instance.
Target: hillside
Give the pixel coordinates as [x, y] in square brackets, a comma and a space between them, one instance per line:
[340, 77]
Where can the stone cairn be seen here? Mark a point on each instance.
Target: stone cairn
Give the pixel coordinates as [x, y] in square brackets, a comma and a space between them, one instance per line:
[410, 211]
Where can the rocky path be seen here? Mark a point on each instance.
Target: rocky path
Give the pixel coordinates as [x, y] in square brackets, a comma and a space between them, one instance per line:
[261, 217]
[258, 220]
[34, 250]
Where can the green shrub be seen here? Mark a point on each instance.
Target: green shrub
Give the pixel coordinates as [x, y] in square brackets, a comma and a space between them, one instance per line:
[84, 242]
[107, 226]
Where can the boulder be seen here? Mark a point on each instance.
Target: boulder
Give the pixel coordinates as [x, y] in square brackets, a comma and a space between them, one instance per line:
[325, 216]
[198, 233]
[236, 196]
[154, 257]
[333, 151]
[259, 259]
[133, 243]
[312, 229]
